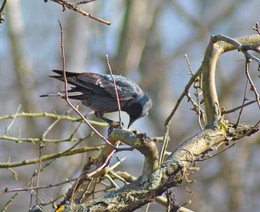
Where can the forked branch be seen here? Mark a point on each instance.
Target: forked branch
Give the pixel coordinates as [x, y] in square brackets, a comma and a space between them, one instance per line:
[175, 168]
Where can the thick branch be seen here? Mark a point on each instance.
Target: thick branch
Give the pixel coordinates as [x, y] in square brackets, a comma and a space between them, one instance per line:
[169, 174]
[208, 82]
[134, 139]
[140, 142]
[218, 44]
[154, 181]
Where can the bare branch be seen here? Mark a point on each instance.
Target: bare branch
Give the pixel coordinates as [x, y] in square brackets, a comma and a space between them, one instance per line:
[12, 122]
[52, 115]
[116, 91]
[1, 12]
[140, 142]
[237, 108]
[256, 28]
[51, 156]
[34, 140]
[215, 48]
[169, 174]
[67, 96]
[72, 6]
[186, 90]
[169, 118]
[251, 82]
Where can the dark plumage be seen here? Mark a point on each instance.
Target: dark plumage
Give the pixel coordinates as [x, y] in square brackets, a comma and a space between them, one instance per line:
[97, 91]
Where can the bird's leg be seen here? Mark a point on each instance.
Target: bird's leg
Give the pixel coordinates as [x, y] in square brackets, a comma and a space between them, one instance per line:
[111, 123]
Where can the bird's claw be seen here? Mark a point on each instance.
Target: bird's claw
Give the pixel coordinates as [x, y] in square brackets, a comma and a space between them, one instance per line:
[116, 124]
[113, 125]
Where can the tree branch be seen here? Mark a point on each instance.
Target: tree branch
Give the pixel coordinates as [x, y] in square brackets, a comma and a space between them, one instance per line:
[218, 44]
[74, 7]
[169, 174]
[157, 179]
[50, 157]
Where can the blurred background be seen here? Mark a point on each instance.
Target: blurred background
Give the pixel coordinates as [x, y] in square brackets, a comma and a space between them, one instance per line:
[146, 42]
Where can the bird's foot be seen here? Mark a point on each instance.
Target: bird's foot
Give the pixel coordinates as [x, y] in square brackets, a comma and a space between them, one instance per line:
[113, 125]
[116, 124]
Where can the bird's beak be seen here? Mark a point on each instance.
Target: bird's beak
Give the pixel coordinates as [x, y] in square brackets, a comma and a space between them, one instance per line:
[131, 121]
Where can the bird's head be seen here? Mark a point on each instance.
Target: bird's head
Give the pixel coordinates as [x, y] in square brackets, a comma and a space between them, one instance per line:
[139, 108]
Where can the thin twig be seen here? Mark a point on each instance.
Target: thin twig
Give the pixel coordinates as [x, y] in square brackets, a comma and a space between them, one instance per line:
[10, 201]
[3, 6]
[251, 82]
[196, 108]
[169, 118]
[189, 65]
[256, 28]
[27, 183]
[52, 115]
[203, 159]
[84, 176]
[244, 98]
[1, 12]
[116, 91]
[67, 152]
[186, 89]
[67, 96]
[34, 140]
[37, 188]
[116, 176]
[197, 93]
[50, 127]
[74, 7]
[252, 129]
[86, 191]
[52, 200]
[165, 144]
[111, 181]
[39, 170]
[117, 164]
[237, 108]
[12, 122]
[75, 131]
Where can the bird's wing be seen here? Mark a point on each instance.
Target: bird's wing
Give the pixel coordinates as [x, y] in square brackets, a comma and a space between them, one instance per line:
[98, 83]
[126, 88]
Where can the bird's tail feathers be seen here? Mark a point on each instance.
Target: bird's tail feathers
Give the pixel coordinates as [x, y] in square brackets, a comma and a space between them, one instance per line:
[71, 94]
[60, 75]
[49, 95]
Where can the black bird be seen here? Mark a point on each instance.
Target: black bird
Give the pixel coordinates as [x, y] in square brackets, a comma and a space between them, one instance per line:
[97, 91]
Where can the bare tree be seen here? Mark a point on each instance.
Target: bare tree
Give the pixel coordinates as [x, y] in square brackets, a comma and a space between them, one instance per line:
[100, 186]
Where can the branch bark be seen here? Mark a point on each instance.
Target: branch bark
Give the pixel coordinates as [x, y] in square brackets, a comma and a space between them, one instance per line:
[155, 181]
[169, 174]
[218, 44]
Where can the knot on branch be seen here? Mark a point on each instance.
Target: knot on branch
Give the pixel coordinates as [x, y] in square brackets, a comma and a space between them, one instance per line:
[241, 130]
[142, 143]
